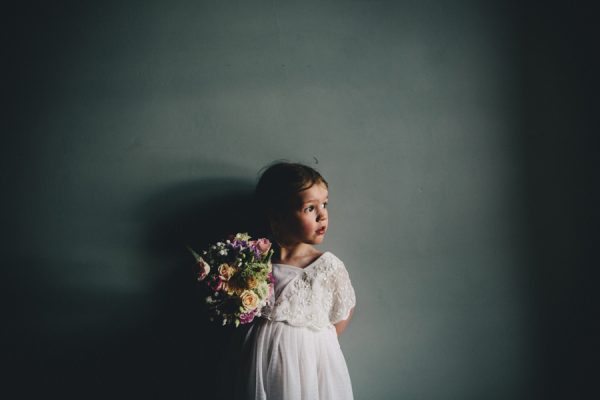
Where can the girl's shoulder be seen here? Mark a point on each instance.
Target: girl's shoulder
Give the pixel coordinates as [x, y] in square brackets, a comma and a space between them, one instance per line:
[330, 256]
[331, 266]
[331, 260]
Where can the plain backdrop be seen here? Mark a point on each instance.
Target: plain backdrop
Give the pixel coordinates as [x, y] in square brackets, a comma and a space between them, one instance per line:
[455, 137]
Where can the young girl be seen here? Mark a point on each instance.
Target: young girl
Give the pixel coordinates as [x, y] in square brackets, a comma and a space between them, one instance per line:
[292, 351]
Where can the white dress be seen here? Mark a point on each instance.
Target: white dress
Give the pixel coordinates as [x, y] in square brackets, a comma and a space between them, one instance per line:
[292, 349]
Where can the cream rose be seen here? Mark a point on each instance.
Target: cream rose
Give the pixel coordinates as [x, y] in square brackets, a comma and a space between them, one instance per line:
[249, 300]
[226, 271]
[242, 236]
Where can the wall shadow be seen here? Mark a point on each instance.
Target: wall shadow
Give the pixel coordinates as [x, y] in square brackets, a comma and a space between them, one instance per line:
[197, 358]
[559, 192]
[172, 350]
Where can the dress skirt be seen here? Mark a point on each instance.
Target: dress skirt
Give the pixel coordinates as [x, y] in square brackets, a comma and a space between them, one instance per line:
[286, 362]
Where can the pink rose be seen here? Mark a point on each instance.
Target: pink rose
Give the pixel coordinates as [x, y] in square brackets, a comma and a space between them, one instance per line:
[216, 283]
[246, 318]
[204, 269]
[263, 245]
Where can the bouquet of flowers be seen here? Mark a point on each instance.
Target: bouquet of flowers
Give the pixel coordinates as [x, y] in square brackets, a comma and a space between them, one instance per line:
[239, 276]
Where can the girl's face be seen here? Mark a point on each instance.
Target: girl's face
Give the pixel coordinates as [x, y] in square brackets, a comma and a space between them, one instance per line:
[307, 222]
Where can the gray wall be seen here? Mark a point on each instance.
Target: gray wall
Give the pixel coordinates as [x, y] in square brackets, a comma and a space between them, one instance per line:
[136, 128]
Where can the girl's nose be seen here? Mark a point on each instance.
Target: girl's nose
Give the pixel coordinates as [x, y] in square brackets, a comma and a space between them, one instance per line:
[322, 216]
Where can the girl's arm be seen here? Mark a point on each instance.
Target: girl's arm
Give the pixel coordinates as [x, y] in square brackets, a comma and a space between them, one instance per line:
[341, 326]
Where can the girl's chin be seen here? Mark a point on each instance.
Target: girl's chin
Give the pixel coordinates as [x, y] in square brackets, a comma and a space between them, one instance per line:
[314, 240]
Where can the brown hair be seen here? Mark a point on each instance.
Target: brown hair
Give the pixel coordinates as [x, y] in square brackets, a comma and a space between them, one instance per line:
[278, 185]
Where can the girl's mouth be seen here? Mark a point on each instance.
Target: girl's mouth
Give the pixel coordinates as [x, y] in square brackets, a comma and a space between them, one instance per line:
[321, 231]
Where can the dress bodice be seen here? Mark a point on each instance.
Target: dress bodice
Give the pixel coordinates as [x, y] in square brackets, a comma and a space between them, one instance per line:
[316, 296]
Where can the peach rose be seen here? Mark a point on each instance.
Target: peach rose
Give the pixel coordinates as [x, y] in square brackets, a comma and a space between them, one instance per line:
[251, 282]
[249, 300]
[226, 271]
[227, 288]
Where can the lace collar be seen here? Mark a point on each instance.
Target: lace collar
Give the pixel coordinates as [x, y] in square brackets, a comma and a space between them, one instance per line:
[322, 256]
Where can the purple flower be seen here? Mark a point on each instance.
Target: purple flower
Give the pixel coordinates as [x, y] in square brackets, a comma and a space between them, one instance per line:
[238, 244]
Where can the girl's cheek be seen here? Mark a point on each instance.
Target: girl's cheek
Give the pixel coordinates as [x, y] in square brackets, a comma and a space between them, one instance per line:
[308, 225]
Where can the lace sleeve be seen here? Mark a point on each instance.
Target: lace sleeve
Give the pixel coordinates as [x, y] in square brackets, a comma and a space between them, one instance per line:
[344, 297]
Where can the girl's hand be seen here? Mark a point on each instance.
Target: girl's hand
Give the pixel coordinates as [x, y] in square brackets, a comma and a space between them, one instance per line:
[341, 326]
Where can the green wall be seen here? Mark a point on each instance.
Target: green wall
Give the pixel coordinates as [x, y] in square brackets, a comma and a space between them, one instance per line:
[134, 128]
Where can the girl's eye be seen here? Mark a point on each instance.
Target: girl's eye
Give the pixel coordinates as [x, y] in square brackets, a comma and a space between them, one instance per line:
[310, 208]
